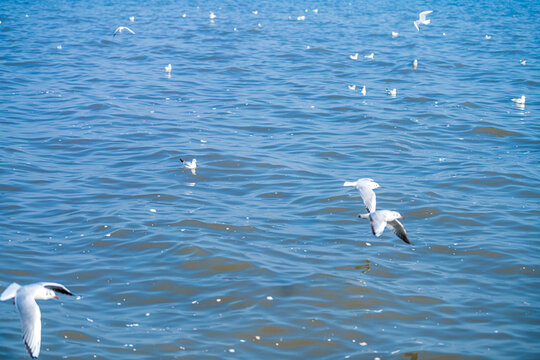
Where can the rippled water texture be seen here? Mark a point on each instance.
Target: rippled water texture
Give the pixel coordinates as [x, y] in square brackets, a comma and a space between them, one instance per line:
[260, 254]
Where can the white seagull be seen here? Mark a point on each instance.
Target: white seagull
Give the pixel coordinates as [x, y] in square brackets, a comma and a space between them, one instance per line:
[212, 15]
[386, 218]
[352, 87]
[395, 34]
[523, 62]
[132, 18]
[370, 56]
[422, 19]
[364, 90]
[168, 69]
[25, 299]
[392, 92]
[365, 186]
[122, 28]
[354, 57]
[190, 165]
[415, 64]
[520, 101]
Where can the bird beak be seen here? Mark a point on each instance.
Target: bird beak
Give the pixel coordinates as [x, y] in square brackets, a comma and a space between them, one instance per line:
[401, 217]
[380, 186]
[56, 297]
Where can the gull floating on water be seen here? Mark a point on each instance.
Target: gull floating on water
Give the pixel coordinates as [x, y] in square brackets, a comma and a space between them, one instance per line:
[132, 18]
[370, 56]
[122, 28]
[354, 57]
[365, 186]
[520, 101]
[190, 165]
[415, 64]
[212, 15]
[392, 92]
[352, 87]
[488, 37]
[168, 68]
[25, 299]
[395, 34]
[316, 11]
[380, 219]
[422, 19]
[523, 62]
[59, 47]
[255, 12]
[364, 90]
[301, 18]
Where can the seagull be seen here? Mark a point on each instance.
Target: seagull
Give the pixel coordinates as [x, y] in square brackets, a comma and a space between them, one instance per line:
[212, 15]
[316, 11]
[415, 64]
[132, 18]
[364, 90]
[488, 37]
[190, 165]
[520, 101]
[523, 62]
[301, 18]
[365, 186]
[352, 87]
[168, 68]
[255, 12]
[395, 34]
[354, 57]
[392, 92]
[122, 28]
[422, 19]
[370, 56]
[59, 47]
[25, 298]
[380, 219]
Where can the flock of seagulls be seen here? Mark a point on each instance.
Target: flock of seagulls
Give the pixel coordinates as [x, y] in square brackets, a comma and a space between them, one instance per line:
[25, 299]
[379, 219]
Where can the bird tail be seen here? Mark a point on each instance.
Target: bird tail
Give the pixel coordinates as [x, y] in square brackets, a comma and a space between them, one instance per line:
[10, 292]
[349, 183]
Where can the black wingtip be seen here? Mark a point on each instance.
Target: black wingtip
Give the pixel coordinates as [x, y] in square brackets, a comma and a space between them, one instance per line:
[405, 239]
[181, 160]
[60, 290]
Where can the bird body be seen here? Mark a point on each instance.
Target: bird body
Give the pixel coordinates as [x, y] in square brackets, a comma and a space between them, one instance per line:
[122, 28]
[523, 62]
[364, 90]
[381, 219]
[392, 92]
[25, 300]
[422, 19]
[370, 56]
[415, 64]
[168, 68]
[191, 165]
[520, 100]
[395, 34]
[365, 186]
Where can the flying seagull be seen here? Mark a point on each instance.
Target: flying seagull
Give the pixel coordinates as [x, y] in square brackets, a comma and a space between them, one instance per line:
[422, 19]
[122, 28]
[380, 219]
[25, 299]
[365, 186]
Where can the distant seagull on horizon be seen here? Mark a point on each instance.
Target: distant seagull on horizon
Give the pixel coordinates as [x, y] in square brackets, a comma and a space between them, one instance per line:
[415, 64]
[370, 56]
[122, 28]
[190, 165]
[25, 299]
[364, 90]
[380, 219]
[392, 92]
[520, 101]
[395, 34]
[365, 186]
[354, 57]
[422, 19]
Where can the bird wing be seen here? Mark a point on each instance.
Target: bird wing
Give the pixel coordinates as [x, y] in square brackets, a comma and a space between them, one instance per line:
[10, 292]
[57, 288]
[30, 323]
[128, 29]
[378, 222]
[423, 15]
[118, 29]
[416, 25]
[398, 229]
[368, 195]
